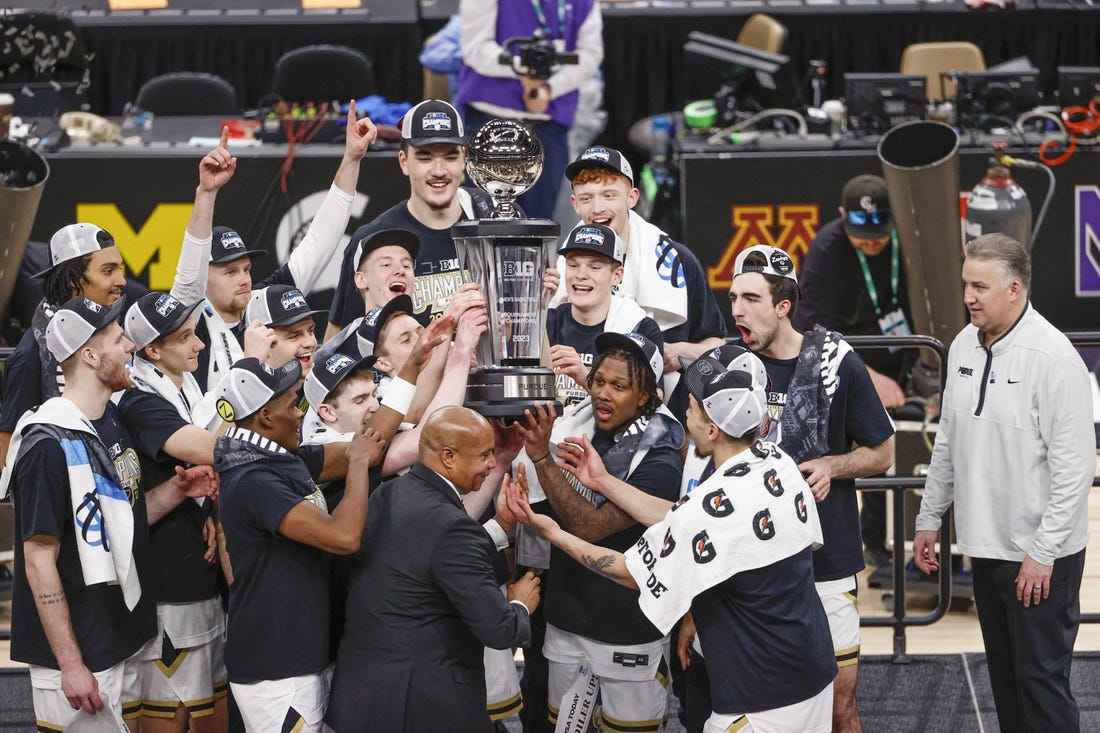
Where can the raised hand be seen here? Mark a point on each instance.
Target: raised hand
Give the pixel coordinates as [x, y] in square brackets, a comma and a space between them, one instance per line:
[467, 296]
[217, 166]
[550, 281]
[565, 360]
[509, 443]
[516, 499]
[437, 332]
[360, 135]
[535, 429]
[471, 324]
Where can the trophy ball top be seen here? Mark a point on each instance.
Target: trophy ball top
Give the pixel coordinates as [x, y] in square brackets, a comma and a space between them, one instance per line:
[501, 139]
[504, 159]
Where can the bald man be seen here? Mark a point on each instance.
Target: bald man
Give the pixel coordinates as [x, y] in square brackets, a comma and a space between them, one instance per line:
[423, 601]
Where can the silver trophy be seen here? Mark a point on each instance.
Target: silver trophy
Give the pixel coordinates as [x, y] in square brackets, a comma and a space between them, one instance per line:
[508, 255]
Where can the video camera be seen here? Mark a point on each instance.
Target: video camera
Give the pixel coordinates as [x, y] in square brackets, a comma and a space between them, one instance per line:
[534, 56]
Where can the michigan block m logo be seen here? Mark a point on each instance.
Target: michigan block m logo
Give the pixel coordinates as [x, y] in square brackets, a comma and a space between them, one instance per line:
[752, 225]
[155, 245]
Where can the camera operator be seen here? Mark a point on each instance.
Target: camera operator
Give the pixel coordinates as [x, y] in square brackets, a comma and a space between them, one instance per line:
[539, 88]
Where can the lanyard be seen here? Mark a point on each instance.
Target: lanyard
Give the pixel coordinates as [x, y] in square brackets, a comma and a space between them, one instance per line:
[871, 289]
[542, 16]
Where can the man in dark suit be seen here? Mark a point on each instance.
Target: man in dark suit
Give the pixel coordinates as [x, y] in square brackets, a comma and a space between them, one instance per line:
[423, 601]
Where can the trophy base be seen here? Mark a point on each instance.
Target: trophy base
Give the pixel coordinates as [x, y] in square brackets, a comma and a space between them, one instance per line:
[505, 392]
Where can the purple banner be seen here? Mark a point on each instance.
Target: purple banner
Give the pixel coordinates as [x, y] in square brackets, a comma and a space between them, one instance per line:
[1088, 240]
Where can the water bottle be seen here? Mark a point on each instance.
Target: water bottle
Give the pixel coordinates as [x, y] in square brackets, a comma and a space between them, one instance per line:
[658, 152]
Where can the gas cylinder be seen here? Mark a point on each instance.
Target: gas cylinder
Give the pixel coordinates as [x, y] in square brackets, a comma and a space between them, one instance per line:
[998, 204]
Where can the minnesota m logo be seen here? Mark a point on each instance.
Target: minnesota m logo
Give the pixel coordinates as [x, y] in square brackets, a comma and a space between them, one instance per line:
[155, 245]
[753, 225]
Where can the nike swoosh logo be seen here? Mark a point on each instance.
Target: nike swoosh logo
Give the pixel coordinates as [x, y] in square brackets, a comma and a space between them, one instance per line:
[1014, 381]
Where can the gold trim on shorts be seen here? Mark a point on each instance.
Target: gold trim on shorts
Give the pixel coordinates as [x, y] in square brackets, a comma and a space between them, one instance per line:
[506, 708]
[170, 669]
[44, 727]
[662, 672]
[131, 710]
[292, 725]
[739, 724]
[159, 708]
[847, 657]
[630, 726]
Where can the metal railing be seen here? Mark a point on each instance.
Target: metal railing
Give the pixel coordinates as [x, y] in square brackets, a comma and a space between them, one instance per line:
[899, 620]
[1087, 338]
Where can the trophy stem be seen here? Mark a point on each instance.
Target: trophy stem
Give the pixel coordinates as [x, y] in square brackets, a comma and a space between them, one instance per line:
[505, 208]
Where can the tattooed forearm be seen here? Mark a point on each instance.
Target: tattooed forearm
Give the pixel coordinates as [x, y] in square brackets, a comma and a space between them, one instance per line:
[577, 513]
[605, 565]
[49, 599]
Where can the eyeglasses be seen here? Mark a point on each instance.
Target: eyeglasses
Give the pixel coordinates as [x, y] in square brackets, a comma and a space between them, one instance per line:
[863, 218]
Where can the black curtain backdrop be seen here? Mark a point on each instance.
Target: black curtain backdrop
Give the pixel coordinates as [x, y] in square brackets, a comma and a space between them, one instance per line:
[127, 55]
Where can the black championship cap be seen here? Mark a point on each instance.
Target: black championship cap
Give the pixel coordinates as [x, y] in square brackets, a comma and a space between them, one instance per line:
[227, 245]
[278, 305]
[403, 238]
[600, 157]
[154, 315]
[369, 330]
[595, 239]
[432, 121]
[636, 343]
[327, 374]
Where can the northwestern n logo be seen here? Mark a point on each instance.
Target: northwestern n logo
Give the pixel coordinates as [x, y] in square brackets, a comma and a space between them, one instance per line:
[1087, 231]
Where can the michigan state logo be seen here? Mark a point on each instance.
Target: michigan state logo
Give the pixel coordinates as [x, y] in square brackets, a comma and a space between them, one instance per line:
[772, 482]
[669, 544]
[800, 507]
[703, 548]
[225, 410]
[717, 505]
[762, 524]
[738, 470]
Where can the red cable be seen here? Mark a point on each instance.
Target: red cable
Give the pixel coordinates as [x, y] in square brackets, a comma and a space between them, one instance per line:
[1079, 121]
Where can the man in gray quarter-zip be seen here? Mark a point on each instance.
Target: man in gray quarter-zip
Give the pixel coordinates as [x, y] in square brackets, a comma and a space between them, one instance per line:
[1016, 454]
